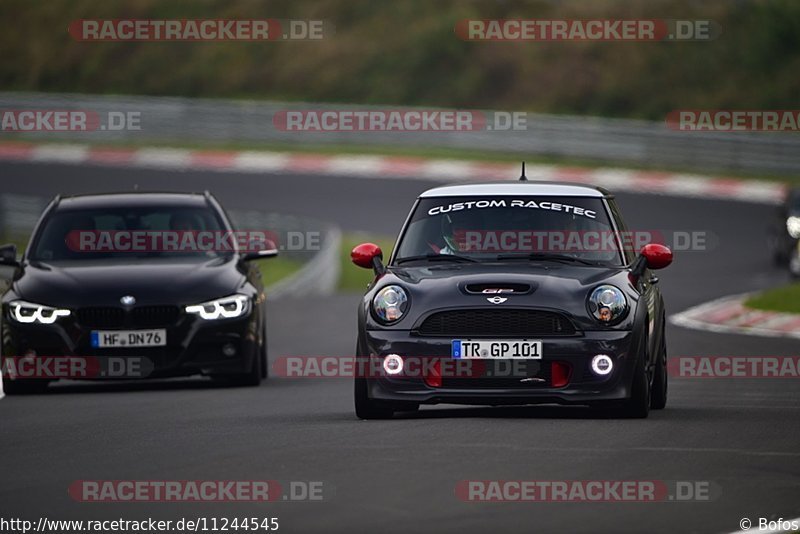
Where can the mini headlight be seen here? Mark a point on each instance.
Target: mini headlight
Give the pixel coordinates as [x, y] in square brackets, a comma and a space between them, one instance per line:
[27, 312]
[793, 226]
[390, 303]
[607, 303]
[223, 308]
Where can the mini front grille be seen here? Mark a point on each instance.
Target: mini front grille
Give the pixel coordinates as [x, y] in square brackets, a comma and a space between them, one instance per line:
[496, 323]
[139, 317]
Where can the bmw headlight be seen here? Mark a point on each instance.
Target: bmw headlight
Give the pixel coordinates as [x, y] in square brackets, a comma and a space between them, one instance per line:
[390, 303]
[222, 308]
[608, 304]
[793, 226]
[27, 312]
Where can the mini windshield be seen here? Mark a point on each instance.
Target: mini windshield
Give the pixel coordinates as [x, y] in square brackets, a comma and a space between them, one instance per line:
[575, 229]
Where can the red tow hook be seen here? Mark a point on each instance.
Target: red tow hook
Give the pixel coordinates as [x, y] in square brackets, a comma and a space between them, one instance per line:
[560, 374]
[433, 374]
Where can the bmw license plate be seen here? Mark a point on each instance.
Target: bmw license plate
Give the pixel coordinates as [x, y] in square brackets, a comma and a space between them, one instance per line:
[518, 349]
[129, 338]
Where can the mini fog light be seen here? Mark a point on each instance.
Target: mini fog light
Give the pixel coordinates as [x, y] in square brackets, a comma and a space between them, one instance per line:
[393, 364]
[602, 364]
[229, 350]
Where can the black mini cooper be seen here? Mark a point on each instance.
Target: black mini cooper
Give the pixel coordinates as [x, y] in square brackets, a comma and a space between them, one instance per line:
[132, 306]
[512, 293]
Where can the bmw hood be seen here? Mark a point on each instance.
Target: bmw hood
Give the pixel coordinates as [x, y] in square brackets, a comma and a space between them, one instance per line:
[103, 284]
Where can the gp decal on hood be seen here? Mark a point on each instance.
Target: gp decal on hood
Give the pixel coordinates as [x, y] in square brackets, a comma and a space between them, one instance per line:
[503, 203]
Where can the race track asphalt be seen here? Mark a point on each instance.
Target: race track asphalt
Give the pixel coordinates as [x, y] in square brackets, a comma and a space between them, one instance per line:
[742, 435]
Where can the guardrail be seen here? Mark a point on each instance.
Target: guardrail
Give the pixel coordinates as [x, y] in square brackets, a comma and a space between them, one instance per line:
[319, 274]
[635, 142]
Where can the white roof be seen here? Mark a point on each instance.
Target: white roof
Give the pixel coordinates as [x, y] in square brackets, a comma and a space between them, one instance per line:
[515, 188]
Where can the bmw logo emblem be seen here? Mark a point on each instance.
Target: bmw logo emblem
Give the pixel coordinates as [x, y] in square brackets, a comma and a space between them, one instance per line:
[128, 300]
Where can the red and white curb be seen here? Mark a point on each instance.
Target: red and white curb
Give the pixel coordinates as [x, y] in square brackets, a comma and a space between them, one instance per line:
[729, 315]
[382, 167]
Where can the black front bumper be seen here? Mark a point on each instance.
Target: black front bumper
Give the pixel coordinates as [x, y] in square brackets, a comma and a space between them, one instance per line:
[194, 346]
[583, 385]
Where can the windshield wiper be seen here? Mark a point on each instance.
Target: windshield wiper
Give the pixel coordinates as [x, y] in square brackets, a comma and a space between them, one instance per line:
[436, 257]
[547, 257]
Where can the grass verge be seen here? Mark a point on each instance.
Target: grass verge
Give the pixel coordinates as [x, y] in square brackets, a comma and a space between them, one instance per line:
[784, 299]
[276, 269]
[354, 278]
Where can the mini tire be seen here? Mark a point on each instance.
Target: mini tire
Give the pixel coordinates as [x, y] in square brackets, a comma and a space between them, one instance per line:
[367, 408]
[658, 393]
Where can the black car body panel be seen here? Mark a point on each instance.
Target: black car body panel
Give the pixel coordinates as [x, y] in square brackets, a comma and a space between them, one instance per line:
[783, 232]
[561, 291]
[542, 300]
[92, 290]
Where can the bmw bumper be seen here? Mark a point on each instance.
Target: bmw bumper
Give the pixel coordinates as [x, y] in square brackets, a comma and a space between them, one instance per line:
[193, 346]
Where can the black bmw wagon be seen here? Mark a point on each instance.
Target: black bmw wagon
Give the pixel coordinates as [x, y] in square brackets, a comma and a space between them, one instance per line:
[101, 287]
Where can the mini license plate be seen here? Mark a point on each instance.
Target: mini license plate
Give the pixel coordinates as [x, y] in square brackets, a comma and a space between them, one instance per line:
[517, 349]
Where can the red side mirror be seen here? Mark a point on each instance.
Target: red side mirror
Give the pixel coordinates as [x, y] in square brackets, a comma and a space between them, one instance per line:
[364, 255]
[657, 256]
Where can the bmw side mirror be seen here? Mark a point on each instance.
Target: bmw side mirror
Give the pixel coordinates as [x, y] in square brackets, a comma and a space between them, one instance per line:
[259, 250]
[8, 255]
[8, 265]
[368, 256]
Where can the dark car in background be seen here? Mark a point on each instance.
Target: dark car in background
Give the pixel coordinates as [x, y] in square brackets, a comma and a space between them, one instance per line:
[784, 233]
[466, 281]
[177, 311]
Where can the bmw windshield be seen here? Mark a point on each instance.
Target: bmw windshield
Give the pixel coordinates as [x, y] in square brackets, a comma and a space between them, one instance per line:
[130, 233]
[510, 227]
